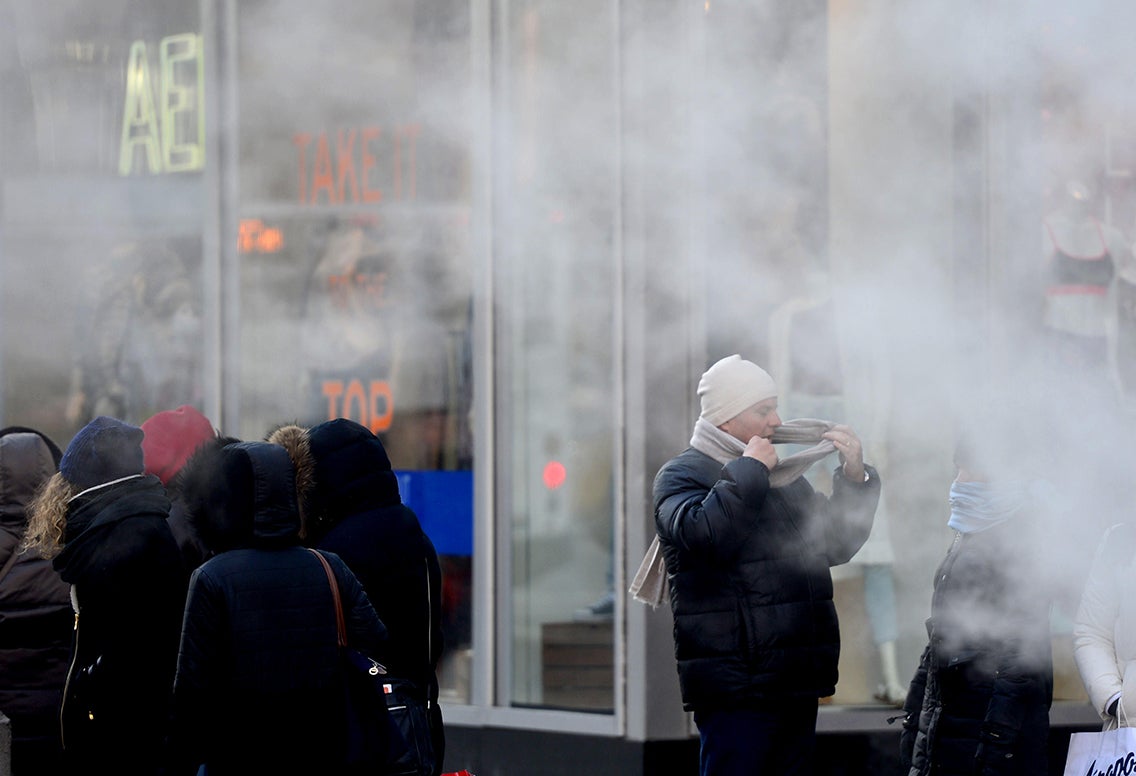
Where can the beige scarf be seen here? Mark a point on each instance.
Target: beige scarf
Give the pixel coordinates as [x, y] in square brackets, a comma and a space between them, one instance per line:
[650, 583]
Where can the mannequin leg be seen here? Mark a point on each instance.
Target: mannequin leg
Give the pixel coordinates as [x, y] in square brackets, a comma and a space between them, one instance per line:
[891, 691]
[879, 601]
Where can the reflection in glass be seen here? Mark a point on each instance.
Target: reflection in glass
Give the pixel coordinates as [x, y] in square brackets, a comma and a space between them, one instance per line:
[355, 287]
[558, 402]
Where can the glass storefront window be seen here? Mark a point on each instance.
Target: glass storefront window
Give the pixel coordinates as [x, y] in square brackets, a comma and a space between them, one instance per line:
[353, 247]
[557, 405]
[101, 152]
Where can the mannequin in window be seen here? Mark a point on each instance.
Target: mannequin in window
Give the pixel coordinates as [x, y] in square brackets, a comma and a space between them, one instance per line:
[823, 378]
[1082, 259]
[1088, 327]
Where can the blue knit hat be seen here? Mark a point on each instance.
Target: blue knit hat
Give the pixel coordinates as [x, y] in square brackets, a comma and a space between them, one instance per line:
[104, 450]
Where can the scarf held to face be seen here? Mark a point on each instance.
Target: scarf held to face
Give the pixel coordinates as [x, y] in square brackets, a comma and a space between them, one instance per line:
[723, 448]
[650, 583]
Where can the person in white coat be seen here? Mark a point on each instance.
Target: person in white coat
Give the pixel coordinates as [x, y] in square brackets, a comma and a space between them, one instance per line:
[1104, 631]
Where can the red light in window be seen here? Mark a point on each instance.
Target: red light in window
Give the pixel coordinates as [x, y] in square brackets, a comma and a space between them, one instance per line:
[554, 475]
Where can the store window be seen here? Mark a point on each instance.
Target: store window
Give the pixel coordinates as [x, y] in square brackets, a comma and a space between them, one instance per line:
[557, 405]
[353, 248]
[101, 152]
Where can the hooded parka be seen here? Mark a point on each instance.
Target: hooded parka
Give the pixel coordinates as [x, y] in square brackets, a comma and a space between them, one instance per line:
[35, 610]
[258, 686]
[359, 515]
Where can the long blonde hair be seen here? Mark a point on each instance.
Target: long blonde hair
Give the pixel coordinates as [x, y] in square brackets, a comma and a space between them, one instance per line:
[47, 516]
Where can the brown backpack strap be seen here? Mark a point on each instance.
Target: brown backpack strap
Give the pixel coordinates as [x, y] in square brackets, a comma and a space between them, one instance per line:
[341, 628]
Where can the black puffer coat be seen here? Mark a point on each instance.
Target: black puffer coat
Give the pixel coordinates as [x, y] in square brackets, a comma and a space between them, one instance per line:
[979, 701]
[380, 539]
[128, 579]
[35, 611]
[258, 688]
[750, 587]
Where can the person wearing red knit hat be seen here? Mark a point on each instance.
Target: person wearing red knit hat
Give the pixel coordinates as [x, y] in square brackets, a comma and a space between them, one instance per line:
[170, 437]
[171, 441]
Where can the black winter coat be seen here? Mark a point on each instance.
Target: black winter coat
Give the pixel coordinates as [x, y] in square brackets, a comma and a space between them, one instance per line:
[130, 586]
[35, 611]
[258, 687]
[748, 569]
[382, 542]
[979, 701]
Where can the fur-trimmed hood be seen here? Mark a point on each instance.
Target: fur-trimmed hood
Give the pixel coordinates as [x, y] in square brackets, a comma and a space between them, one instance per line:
[294, 439]
[345, 468]
[240, 494]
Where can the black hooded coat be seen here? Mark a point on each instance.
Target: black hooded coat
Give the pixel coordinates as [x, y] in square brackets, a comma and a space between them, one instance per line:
[258, 686]
[364, 522]
[35, 610]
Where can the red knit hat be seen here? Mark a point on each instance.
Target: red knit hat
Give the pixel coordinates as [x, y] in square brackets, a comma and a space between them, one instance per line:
[170, 437]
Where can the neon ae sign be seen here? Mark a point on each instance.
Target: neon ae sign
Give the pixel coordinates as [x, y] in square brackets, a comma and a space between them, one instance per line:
[163, 114]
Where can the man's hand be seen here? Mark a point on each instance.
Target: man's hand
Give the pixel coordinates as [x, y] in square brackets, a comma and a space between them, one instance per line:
[763, 450]
[851, 452]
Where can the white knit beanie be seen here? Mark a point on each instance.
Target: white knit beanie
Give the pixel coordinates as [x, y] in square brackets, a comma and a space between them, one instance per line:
[731, 386]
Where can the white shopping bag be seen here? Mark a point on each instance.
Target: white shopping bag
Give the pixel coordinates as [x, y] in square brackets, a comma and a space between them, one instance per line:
[650, 583]
[1107, 753]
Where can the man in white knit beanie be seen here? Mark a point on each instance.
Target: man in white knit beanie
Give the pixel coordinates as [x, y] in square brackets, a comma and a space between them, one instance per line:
[730, 386]
[748, 549]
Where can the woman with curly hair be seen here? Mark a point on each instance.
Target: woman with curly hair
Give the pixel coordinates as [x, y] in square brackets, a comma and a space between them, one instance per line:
[103, 524]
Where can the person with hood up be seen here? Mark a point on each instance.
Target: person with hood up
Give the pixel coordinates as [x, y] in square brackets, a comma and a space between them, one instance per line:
[35, 610]
[103, 522]
[258, 687]
[352, 507]
[748, 545]
[170, 438]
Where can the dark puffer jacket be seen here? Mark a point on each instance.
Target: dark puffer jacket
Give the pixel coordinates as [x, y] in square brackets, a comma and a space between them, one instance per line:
[979, 701]
[130, 586]
[356, 504]
[35, 610]
[750, 587]
[258, 688]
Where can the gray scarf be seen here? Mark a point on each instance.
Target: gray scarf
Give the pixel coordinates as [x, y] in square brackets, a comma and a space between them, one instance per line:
[723, 448]
[650, 583]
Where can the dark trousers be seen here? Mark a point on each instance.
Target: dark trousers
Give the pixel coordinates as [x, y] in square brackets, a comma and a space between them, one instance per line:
[776, 739]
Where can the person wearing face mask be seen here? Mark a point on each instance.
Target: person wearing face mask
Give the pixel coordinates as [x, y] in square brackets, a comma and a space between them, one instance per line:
[748, 545]
[979, 701]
